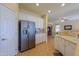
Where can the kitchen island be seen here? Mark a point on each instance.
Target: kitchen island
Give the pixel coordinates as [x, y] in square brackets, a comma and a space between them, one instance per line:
[66, 45]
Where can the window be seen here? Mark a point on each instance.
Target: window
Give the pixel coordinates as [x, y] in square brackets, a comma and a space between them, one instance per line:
[57, 28]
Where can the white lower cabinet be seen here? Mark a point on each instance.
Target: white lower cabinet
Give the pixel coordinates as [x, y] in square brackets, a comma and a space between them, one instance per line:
[59, 44]
[56, 42]
[64, 46]
[69, 48]
[41, 37]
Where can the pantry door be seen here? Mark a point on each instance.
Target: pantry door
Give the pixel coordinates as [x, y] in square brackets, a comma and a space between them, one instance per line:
[8, 31]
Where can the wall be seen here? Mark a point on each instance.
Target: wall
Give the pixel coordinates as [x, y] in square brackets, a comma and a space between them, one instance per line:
[9, 28]
[45, 19]
[74, 24]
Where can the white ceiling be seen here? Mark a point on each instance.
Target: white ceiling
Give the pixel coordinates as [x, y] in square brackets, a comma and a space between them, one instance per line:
[69, 11]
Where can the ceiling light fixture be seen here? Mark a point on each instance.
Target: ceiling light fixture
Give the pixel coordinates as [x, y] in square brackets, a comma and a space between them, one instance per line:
[49, 11]
[62, 20]
[37, 4]
[63, 4]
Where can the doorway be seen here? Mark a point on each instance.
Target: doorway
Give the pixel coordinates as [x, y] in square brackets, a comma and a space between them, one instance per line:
[49, 30]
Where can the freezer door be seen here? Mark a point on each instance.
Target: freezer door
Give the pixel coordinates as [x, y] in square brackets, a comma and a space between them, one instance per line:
[24, 36]
[31, 32]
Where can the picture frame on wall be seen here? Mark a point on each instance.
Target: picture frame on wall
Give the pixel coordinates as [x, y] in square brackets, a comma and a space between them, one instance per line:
[68, 27]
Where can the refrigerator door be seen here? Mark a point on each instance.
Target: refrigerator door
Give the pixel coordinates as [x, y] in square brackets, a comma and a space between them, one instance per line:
[31, 33]
[24, 36]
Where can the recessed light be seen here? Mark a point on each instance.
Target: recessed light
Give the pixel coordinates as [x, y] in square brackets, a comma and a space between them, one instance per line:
[62, 20]
[49, 11]
[63, 4]
[37, 4]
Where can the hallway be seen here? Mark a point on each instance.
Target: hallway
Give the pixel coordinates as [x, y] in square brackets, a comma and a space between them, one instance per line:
[44, 49]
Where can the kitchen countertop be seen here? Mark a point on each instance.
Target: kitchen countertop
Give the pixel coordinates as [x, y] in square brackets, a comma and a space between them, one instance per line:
[69, 38]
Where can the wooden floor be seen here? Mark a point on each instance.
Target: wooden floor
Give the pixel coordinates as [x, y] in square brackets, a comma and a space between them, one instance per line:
[43, 49]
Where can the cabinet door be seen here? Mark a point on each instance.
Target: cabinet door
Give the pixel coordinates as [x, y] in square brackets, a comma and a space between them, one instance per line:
[69, 48]
[56, 42]
[61, 45]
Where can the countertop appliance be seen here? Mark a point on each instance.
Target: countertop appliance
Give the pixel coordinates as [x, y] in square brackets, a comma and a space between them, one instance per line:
[26, 35]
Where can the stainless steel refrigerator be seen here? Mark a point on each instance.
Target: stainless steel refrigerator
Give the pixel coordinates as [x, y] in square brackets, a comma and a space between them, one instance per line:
[26, 35]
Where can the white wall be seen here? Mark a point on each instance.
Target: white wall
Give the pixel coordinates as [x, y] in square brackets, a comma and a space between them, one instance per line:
[74, 23]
